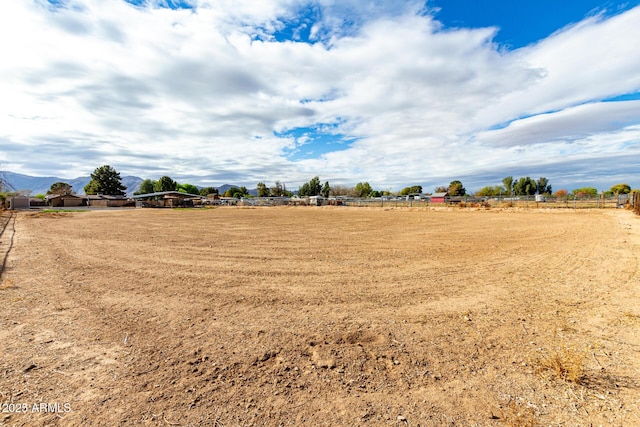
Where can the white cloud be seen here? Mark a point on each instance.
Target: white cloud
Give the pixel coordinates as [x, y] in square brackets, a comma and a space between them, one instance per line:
[199, 93]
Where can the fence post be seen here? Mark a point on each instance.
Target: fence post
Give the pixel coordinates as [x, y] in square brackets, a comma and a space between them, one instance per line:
[636, 202]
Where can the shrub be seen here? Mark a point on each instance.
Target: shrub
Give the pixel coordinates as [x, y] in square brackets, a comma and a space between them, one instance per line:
[565, 364]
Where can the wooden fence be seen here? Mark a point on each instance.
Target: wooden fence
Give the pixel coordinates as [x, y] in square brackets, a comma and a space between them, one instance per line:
[635, 200]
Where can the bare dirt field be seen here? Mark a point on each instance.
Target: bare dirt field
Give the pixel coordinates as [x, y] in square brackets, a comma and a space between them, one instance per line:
[321, 317]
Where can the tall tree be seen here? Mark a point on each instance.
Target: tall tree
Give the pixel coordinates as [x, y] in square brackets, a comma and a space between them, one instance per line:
[105, 180]
[508, 184]
[279, 189]
[263, 190]
[165, 183]
[311, 188]
[60, 188]
[525, 187]
[326, 189]
[146, 186]
[456, 188]
[363, 189]
[543, 186]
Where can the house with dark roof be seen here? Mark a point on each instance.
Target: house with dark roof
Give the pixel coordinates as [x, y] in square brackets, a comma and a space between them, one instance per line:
[106, 201]
[167, 199]
[64, 200]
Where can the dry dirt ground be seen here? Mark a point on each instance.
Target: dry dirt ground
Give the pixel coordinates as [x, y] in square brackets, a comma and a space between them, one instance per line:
[321, 317]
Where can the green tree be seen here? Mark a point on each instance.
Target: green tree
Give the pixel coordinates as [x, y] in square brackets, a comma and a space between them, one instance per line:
[165, 183]
[304, 190]
[208, 190]
[187, 188]
[456, 189]
[525, 187]
[263, 190]
[60, 188]
[363, 189]
[236, 192]
[410, 190]
[146, 186]
[508, 184]
[621, 189]
[279, 189]
[105, 180]
[585, 192]
[543, 186]
[311, 188]
[491, 191]
[326, 189]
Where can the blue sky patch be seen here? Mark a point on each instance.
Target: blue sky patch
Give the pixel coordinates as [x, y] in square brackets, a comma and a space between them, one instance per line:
[313, 142]
[626, 97]
[522, 23]
[298, 28]
[169, 4]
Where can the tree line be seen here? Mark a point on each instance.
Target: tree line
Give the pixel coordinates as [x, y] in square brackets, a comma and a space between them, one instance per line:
[106, 180]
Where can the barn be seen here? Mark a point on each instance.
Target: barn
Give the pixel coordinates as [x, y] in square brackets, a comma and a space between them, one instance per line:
[439, 197]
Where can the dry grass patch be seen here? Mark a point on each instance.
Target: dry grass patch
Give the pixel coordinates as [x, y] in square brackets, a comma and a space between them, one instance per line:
[6, 284]
[566, 364]
[517, 415]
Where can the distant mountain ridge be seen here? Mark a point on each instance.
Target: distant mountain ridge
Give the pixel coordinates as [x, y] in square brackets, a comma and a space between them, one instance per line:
[42, 184]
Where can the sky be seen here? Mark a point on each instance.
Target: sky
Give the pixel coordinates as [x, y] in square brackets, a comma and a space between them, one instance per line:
[394, 93]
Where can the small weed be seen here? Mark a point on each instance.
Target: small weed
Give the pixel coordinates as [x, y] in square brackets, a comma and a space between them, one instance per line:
[7, 284]
[627, 318]
[565, 364]
[515, 415]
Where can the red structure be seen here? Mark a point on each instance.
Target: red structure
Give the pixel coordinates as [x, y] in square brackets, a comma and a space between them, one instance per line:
[439, 197]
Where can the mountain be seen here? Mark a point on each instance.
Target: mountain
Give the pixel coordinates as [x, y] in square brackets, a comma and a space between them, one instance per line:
[41, 184]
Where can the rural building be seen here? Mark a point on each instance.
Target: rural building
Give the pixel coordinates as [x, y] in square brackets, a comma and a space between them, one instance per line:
[439, 197]
[167, 199]
[19, 202]
[316, 200]
[64, 200]
[106, 201]
[36, 201]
